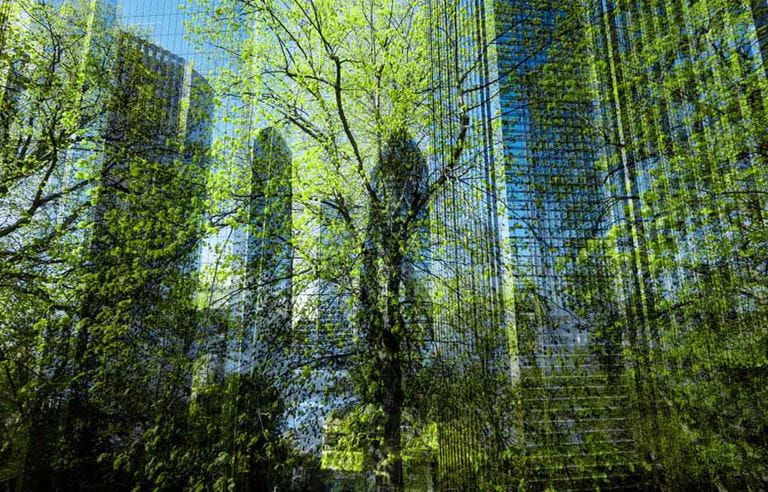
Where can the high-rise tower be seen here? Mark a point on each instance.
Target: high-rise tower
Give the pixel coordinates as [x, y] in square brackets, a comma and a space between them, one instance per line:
[680, 90]
[159, 122]
[269, 265]
[530, 171]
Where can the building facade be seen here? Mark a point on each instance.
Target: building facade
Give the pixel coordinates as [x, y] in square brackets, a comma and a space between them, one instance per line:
[681, 98]
[630, 142]
[540, 243]
[147, 215]
[269, 264]
[158, 135]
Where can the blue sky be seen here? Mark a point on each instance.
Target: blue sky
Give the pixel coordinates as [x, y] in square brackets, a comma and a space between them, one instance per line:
[162, 21]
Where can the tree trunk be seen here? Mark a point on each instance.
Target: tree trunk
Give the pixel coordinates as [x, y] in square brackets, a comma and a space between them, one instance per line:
[383, 328]
[392, 390]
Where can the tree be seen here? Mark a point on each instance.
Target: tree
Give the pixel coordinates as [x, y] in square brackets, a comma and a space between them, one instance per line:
[349, 89]
[98, 269]
[679, 121]
[54, 91]
[353, 90]
[428, 195]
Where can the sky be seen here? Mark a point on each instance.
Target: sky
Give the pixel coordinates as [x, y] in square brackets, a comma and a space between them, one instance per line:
[161, 20]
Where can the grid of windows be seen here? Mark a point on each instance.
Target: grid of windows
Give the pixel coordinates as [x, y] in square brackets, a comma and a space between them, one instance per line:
[165, 23]
[529, 117]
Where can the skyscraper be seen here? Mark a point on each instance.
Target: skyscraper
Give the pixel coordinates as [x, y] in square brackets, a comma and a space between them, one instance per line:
[159, 124]
[269, 265]
[147, 216]
[681, 98]
[531, 163]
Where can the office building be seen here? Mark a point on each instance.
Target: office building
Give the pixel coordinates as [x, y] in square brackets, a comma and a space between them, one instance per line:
[681, 98]
[157, 133]
[147, 218]
[269, 262]
[536, 213]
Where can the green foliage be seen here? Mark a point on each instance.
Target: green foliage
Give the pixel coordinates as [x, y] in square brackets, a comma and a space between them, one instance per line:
[227, 438]
[377, 280]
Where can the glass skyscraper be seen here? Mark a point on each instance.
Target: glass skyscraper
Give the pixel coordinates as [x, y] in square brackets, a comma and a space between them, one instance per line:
[586, 123]
[683, 136]
[530, 166]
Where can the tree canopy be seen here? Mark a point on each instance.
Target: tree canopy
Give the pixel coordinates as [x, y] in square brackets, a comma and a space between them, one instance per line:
[388, 244]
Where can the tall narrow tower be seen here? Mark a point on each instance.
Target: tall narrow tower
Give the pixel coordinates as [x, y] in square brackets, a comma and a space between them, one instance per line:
[529, 177]
[269, 264]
